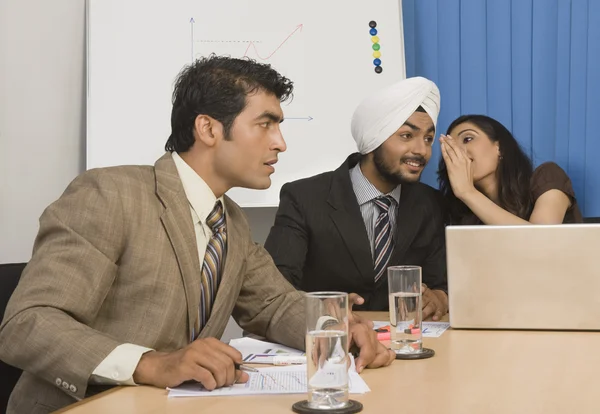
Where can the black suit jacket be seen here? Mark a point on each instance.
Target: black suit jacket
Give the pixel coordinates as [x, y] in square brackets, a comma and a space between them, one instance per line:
[319, 240]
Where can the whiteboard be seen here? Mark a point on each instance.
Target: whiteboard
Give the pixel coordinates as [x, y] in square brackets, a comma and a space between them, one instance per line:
[136, 48]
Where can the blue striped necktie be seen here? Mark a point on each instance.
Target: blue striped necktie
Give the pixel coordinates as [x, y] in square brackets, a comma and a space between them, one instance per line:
[383, 236]
[213, 264]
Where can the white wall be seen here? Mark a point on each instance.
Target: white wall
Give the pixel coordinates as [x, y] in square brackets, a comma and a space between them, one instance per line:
[41, 113]
[42, 118]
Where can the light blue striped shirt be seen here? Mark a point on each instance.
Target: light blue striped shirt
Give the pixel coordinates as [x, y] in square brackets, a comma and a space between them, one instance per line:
[365, 192]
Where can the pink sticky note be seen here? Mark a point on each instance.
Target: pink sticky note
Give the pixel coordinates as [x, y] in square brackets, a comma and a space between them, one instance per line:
[383, 336]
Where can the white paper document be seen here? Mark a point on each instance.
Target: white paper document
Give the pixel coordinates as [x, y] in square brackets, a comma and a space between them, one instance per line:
[261, 352]
[430, 329]
[434, 329]
[270, 380]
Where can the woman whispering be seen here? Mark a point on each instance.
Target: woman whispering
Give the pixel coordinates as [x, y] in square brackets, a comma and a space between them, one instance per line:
[486, 178]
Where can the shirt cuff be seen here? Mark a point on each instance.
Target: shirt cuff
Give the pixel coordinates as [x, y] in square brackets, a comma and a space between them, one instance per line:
[118, 367]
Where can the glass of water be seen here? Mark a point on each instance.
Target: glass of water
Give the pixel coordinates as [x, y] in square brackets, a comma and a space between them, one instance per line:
[327, 349]
[404, 283]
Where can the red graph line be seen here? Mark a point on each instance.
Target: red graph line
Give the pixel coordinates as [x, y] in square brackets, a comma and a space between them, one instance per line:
[299, 27]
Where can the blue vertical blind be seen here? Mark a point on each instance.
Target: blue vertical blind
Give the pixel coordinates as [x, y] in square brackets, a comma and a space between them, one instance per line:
[534, 65]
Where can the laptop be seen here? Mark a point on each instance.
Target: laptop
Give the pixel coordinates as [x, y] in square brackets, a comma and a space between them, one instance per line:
[524, 277]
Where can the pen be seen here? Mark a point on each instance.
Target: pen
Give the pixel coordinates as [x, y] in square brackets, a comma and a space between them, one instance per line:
[246, 368]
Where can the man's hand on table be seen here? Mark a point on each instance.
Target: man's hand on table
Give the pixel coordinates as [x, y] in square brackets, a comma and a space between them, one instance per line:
[372, 354]
[435, 303]
[207, 361]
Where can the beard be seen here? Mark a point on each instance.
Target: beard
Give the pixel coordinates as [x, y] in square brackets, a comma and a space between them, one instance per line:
[386, 171]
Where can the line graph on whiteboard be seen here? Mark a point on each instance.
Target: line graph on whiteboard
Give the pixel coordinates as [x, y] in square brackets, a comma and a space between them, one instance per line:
[281, 47]
[259, 49]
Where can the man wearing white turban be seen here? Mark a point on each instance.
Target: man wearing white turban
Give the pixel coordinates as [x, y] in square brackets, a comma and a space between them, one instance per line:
[380, 115]
[342, 229]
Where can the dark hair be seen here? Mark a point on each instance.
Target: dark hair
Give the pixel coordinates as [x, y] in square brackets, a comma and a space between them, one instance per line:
[217, 86]
[513, 174]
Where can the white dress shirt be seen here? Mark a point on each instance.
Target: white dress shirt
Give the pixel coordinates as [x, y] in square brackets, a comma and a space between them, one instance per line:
[118, 367]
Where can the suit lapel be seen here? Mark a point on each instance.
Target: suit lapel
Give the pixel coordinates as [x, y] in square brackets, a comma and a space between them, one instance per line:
[348, 219]
[177, 220]
[408, 221]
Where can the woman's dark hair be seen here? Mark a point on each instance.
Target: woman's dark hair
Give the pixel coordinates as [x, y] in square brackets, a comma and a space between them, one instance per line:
[513, 174]
[217, 86]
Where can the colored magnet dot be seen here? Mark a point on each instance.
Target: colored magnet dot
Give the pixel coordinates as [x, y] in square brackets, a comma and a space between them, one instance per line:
[376, 47]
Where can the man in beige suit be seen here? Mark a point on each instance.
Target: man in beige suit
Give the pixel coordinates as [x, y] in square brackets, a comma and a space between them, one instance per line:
[136, 269]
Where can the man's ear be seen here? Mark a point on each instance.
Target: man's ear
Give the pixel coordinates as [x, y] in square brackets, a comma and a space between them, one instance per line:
[207, 130]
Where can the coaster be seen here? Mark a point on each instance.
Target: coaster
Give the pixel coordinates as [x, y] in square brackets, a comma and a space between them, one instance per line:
[303, 408]
[424, 354]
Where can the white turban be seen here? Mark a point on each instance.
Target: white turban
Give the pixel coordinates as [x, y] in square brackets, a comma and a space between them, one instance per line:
[378, 116]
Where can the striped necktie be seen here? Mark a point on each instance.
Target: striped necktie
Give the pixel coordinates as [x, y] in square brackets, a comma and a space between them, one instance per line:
[383, 236]
[213, 263]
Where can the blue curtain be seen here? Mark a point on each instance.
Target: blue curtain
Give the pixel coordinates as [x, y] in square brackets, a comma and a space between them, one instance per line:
[532, 64]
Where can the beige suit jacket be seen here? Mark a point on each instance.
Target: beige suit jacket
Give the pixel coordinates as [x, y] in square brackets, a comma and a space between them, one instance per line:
[115, 261]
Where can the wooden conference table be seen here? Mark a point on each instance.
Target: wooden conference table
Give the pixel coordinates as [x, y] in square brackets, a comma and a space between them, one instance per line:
[472, 372]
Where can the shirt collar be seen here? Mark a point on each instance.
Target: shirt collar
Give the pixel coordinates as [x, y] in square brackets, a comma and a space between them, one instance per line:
[201, 198]
[365, 191]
